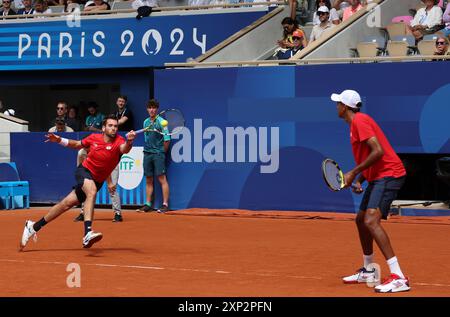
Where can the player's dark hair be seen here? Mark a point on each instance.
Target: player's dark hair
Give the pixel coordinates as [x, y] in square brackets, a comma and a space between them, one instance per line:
[358, 109]
[153, 103]
[108, 117]
[123, 97]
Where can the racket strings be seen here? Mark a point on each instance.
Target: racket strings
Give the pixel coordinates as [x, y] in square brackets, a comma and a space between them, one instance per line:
[333, 175]
[175, 120]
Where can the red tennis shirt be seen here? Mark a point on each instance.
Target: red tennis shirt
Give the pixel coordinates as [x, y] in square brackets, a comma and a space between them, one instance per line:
[363, 127]
[102, 157]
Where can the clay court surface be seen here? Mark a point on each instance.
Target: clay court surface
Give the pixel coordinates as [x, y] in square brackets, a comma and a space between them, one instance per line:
[216, 253]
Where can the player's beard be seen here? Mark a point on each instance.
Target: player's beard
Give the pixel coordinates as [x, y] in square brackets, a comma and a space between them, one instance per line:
[111, 135]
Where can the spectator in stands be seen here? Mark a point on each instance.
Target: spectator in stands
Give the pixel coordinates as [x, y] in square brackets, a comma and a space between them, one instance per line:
[325, 24]
[446, 20]
[355, 6]
[61, 109]
[27, 8]
[144, 3]
[71, 5]
[97, 5]
[333, 15]
[428, 20]
[41, 7]
[297, 40]
[292, 5]
[442, 46]
[340, 6]
[73, 120]
[7, 9]
[17, 4]
[124, 114]
[94, 120]
[289, 27]
[60, 126]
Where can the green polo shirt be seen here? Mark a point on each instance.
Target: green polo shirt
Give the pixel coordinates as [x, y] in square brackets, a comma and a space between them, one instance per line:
[95, 121]
[154, 141]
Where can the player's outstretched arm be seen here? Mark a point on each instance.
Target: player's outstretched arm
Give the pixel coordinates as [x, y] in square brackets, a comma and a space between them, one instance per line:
[126, 147]
[74, 144]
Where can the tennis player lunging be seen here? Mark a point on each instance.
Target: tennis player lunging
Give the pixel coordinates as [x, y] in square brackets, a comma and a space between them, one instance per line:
[105, 151]
[377, 163]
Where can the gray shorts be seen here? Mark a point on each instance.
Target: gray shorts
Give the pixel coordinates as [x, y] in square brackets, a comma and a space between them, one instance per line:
[154, 164]
[381, 193]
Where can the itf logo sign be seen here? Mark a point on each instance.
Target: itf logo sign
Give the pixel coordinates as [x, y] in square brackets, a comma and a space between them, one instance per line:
[131, 168]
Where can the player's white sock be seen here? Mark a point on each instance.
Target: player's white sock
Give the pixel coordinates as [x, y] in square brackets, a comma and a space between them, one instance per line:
[368, 259]
[394, 267]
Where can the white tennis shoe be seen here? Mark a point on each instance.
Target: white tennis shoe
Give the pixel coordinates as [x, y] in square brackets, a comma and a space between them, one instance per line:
[361, 276]
[393, 284]
[90, 238]
[28, 232]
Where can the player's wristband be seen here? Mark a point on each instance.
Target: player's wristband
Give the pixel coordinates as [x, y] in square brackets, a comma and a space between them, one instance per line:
[64, 142]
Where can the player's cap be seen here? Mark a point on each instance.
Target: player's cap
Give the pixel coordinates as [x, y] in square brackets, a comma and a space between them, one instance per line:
[350, 98]
[323, 9]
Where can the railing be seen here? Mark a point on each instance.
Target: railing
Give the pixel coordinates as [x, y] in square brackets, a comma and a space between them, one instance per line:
[13, 119]
[239, 34]
[317, 61]
[156, 9]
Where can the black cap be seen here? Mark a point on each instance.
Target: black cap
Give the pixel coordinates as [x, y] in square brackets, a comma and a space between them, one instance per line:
[143, 12]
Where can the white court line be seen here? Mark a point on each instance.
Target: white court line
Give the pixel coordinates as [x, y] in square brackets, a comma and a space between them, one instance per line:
[198, 270]
[428, 284]
[162, 268]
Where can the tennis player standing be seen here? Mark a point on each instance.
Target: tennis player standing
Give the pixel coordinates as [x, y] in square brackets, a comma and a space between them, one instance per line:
[377, 163]
[105, 151]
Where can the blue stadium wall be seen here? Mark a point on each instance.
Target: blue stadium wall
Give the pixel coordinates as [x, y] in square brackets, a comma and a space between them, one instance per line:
[255, 137]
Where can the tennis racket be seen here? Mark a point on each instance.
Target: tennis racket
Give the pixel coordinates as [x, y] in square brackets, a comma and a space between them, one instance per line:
[333, 175]
[175, 123]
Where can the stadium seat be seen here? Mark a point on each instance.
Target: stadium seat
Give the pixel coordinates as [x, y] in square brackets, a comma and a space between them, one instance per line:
[12, 188]
[406, 19]
[426, 47]
[409, 40]
[397, 48]
[371, 46]
[405, 38]
[367, 49]
[120, 5]
[5, 197]
[395, 29]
